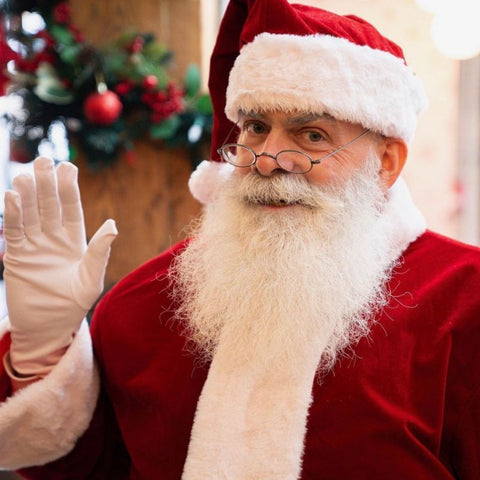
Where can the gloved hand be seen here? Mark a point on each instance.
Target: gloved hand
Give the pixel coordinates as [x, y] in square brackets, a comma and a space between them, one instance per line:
[51, 277]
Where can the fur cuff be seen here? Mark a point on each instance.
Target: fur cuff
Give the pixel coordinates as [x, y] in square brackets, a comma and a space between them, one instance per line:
[43, 421]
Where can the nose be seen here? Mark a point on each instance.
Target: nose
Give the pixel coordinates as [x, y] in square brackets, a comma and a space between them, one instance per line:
[266, 165]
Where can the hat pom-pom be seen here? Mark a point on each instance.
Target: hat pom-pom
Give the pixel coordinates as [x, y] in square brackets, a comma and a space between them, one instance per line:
[206, 180]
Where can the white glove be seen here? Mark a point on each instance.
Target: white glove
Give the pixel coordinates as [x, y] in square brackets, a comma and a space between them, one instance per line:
[51, 277]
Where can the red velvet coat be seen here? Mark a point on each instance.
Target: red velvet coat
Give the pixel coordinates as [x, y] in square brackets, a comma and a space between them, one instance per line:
[406, 407]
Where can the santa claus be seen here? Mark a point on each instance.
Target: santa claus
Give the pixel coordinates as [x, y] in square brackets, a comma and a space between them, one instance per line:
[310, 328]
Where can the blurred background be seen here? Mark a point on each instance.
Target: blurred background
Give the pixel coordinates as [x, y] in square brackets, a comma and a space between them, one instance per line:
[119, 88]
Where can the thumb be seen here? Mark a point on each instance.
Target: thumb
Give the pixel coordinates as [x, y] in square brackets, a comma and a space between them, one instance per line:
[99, 244]
[88, 282]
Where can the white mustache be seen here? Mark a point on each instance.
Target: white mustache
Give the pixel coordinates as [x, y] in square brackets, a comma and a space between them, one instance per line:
[284, 189]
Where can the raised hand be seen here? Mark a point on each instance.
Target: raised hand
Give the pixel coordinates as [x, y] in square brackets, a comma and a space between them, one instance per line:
[52, 277]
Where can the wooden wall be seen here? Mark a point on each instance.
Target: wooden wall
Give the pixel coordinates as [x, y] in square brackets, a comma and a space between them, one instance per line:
[149, 201]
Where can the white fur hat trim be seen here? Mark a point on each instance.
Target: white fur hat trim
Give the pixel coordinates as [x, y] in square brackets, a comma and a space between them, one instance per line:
[326, 74]
[207, 179]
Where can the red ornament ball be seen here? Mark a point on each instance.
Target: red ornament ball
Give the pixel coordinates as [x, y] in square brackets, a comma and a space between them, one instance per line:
[102, 108]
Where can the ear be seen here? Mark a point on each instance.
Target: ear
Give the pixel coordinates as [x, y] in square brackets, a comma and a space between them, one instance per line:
[393, 154]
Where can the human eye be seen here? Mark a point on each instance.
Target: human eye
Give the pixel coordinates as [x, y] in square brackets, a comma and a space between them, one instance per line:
[313, 136]
[254, 127]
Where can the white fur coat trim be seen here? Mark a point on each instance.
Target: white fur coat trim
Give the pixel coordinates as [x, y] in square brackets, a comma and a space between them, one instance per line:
[326, 74]
[251, 419]
[43, 421]
[407, 222]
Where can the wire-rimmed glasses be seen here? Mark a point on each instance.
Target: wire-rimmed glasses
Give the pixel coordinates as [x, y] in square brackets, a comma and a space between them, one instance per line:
[293, 161]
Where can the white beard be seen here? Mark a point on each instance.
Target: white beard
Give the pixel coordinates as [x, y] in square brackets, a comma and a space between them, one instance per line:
[272, 297]
[293, 278]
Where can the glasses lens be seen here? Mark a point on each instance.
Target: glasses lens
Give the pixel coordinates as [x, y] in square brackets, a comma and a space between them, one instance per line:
[293, 161]
[238, 155]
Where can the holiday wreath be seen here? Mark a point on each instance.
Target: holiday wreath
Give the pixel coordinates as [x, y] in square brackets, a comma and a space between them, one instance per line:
[104, 98]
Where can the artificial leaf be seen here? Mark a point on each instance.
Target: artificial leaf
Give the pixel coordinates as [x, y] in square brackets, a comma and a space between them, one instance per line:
[142, 69]
[69, 54]
[204, 104]
[165, 129]
[192, 80]
[155, 52]
[61, 35]
[55, 94]
[114, 62]
[49, 87]
[126, 37]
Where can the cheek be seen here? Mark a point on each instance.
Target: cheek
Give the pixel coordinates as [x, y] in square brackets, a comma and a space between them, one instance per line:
[318, 175]
[339, 168]
[331, 171]
[242, 171]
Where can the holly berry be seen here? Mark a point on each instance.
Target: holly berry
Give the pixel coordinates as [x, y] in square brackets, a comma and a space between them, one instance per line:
[62, 13]
[77, 34]
[137, 45]
[102, 108]
[123, 88]
[150, 82]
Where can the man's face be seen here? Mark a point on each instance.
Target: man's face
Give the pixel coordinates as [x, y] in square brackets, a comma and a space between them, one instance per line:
[316, 135]
[275, 279]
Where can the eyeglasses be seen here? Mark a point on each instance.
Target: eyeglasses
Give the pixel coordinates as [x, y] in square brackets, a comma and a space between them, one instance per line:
[292, 161]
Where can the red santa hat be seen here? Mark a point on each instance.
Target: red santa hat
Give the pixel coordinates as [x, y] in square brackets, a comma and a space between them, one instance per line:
[271, 54]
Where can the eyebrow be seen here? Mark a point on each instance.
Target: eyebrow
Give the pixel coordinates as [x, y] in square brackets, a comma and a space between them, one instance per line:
[252, 114]
[295, 120]
[310, 117]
